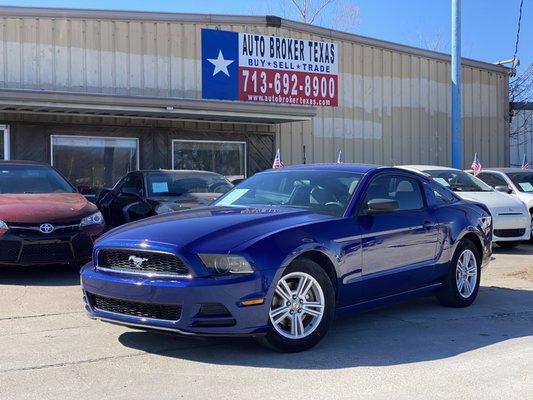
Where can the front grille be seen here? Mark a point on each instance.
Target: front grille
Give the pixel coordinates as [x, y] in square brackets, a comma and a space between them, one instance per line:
[142, 262]
[509, 232]
[9, 250]
[144, 310]
[46, 253]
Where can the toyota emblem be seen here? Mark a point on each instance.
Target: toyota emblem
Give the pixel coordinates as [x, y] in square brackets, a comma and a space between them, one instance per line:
[46, 228]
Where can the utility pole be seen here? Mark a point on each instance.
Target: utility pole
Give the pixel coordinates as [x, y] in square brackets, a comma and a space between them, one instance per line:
[456, 85]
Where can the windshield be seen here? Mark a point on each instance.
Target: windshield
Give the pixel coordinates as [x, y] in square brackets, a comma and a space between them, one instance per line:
[325, 192]
[522, 180]
[180, 184]
[459, 181]
[19, 179]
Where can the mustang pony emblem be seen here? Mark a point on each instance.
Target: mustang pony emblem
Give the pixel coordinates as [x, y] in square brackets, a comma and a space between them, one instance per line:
[137, 261]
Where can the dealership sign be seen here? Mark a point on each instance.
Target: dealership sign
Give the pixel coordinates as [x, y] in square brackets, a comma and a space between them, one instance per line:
[252, 67]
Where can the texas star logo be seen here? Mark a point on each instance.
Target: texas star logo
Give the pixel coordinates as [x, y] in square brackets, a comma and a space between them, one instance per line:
[137, 261]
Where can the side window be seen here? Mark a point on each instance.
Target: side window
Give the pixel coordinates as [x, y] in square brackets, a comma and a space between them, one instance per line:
[133, 183]
[492, 179]
[440, 194]
[406, 191]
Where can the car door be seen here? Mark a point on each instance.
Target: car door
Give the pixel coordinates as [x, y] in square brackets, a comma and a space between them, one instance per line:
[128, 204]
[398, 247]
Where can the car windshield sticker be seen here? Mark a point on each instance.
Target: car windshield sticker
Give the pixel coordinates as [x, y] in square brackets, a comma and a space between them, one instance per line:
[232, 196]
[160, 187]
[442, 181]
[528, 187]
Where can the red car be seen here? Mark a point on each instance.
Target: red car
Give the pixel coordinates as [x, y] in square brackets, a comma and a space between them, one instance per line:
[43, 219]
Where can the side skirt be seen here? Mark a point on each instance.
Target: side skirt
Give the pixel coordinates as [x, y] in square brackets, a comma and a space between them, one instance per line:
[365, 305]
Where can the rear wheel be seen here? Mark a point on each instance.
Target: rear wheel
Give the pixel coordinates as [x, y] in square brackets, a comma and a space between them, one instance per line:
[508, 245]
[462, 283]
[302, 308]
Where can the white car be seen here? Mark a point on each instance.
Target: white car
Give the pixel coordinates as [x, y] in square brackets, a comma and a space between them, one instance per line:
[515, 181]
[510, 216]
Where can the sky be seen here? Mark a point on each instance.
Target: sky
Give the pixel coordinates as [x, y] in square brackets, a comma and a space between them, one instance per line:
[488, 26]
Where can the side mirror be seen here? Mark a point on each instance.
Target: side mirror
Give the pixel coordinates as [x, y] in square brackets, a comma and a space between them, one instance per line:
[503, 189]
[130, 191]
[382, 205]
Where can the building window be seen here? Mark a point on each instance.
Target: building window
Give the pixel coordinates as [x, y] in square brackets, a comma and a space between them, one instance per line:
[4, 142]
[223, 157]
[91, 163]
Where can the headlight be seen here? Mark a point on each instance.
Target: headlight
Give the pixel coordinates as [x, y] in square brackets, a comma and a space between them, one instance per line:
[221, 264]
[3, 225]
[94, 219]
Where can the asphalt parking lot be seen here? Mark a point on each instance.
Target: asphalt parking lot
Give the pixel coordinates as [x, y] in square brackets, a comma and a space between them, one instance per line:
[49, 349]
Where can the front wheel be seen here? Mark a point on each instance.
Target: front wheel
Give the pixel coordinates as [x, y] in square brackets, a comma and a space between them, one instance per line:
[462, 283]
[302, 308]
[508, 245]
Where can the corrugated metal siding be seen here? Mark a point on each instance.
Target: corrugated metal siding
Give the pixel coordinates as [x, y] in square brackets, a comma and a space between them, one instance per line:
[394, 105]
[521, 137]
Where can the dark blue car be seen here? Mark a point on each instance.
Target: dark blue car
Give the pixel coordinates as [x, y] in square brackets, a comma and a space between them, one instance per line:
[284, 252]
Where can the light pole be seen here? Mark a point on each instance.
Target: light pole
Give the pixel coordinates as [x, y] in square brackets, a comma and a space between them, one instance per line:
[456, 85]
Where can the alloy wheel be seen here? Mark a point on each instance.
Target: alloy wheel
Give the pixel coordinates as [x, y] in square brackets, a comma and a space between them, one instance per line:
[466, 273]
[297, 306]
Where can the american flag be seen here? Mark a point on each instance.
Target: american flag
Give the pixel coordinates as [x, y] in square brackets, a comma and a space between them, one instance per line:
[277, 161]
[476, 165]
[339, 157]
[525, 164]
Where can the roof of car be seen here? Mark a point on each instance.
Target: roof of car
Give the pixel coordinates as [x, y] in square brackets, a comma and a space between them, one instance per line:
[23, 162]
[428, 167]
[515, 169]
[340, 167]
[176, 171]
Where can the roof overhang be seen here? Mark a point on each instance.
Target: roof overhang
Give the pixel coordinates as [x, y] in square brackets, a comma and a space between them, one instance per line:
[161, 108]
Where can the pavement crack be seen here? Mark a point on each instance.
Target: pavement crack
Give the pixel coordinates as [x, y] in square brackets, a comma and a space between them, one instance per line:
[39, 315]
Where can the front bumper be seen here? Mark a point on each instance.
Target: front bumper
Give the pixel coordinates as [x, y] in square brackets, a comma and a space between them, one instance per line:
[511, 228]
[27, 247]
[189, 294]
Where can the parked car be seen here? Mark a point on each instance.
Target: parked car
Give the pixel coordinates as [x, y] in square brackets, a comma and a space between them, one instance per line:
[512, 223]
[514, 181]
[281, 254]
[43, 220]
[142, 194]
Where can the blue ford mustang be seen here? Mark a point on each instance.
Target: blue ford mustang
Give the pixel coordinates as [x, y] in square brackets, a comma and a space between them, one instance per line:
[285, 251]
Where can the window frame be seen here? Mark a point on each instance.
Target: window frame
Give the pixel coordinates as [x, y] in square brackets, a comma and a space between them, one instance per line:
[7, 142]
[494, 175]
[137, 146]
[360, 207]
[241, 142]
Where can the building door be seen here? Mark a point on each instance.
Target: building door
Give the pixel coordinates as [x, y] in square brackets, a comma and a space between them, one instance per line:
[4, 142]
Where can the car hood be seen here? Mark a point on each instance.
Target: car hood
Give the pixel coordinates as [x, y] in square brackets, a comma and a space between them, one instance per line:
[495, 201]
[177, 203]
[44, 208]
[210, 228]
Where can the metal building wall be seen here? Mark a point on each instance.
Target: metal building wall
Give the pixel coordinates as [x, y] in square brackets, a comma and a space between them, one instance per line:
[394, 101]
[521, 137]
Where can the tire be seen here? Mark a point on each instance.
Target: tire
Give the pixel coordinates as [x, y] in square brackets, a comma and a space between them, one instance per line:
[284, 336]
[508, 245]
[453, 294]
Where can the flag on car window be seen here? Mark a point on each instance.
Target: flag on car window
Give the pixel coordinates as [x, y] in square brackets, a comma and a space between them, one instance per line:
[277, 161]
[525, 163]
[339, 157]
[476, 165]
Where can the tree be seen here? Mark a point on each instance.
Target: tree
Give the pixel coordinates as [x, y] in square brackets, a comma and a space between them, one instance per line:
[521, 91]
[335, 14]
